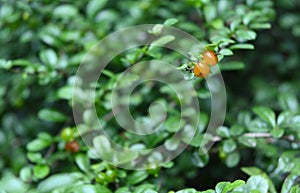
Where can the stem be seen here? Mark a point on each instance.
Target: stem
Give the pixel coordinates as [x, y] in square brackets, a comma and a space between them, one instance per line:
[260, 135]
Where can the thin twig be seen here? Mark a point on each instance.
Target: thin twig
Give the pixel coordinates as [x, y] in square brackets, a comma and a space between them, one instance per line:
[260, 135]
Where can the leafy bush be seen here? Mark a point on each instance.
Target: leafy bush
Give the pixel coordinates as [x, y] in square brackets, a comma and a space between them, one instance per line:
[256, 149]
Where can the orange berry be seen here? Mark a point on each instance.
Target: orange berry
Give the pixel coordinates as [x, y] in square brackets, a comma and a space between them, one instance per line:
[72, 146]
[201, 70]
[210, 57]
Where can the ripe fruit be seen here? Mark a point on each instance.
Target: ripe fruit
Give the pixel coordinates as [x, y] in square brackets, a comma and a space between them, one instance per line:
[210, 57]
[72, 146]
[201, 70]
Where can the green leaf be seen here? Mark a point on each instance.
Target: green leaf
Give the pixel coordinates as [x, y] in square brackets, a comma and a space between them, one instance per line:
[288, 101]
[37, 145]
[45, 136]
[9, 183]
[200, 160]
[94, 6]
[101, 189]
[232, 159]
[244, 118]
[294, 122]
[257, 183]
[210, 12]
[137, 177]
[242, 46]
[123, 190]
[235, 184]
[87, 188]
[170, 22]
[35, 157]
[83, 162]
[234, 24]
[217, 24]
[226, 52]
[260, 26]
[213, 46]
[172, 124]
[65, 11]
[252, 171]
[65, 92]
[172, 144]
[49, 57]
[99, 167]
[208, 191]
[247, 141]
[168, 165]
[25, 174]
[51, 115]
[197, 140]
[41, 171]
[143, 188]
[157, 29]
[223, 132]
[188, 190]
[229, 145]
[89, 117]
[289, 182]
[250, 16]
[236, 130]
[5, 64]
[295, 189]
[188, 133]
[245, 35]
[150, 191]
[224, 187]
[58, 180]
[154, 52]
[259, 126]
[287, 161]
[162, 41]
[277, 132]
[103, 147]
[284, 118]
[22, 62]
[220, 187]
[48, 39]
[266, 114]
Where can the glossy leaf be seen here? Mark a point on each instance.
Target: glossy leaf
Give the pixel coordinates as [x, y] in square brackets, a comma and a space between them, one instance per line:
[51, 115]
[242, 46]
[137, 177]
[94, 6]
[257, 183]
[266, 114]
[41, 171]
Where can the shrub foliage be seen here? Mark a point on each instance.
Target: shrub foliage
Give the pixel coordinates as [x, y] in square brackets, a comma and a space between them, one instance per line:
[256, 150]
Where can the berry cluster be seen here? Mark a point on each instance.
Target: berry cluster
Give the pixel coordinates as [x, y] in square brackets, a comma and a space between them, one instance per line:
[202, 68]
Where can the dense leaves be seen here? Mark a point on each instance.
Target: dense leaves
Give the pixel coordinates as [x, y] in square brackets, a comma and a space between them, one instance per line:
[44, 42]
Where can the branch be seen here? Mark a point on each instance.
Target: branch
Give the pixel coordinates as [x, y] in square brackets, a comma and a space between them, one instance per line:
[290, 138]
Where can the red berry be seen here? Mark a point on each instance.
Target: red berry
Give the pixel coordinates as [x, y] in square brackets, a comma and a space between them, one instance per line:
[201, 70]
[72, 146]
[210, 57]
